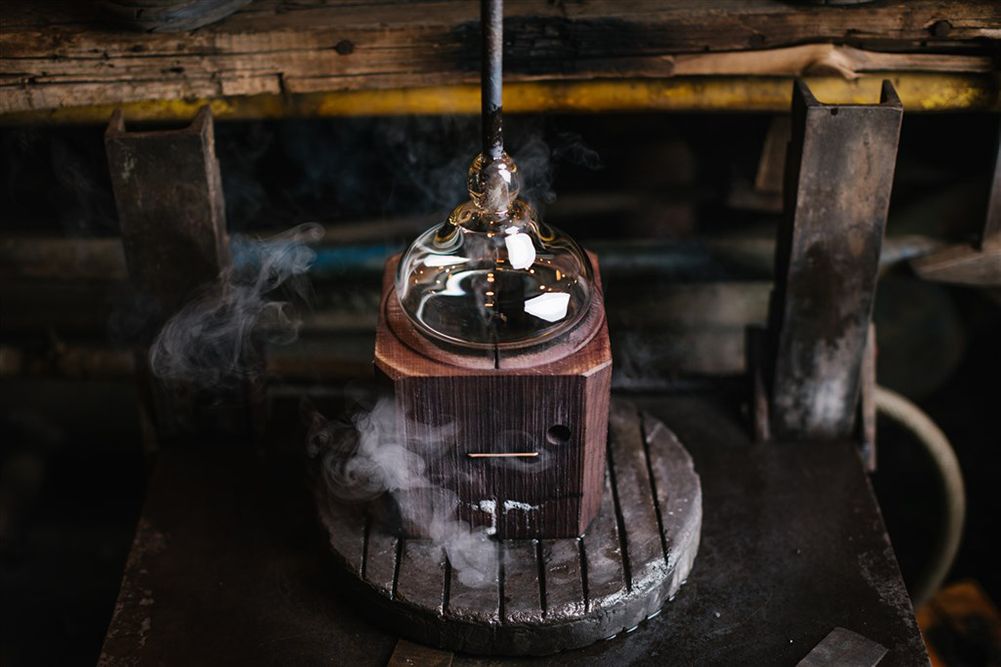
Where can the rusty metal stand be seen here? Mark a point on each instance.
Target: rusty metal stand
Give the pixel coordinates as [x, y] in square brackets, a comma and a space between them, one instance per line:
[168, 192]
[838, 180]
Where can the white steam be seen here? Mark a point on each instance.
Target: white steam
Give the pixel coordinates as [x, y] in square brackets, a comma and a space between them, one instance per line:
[216, 338]
[367, 457]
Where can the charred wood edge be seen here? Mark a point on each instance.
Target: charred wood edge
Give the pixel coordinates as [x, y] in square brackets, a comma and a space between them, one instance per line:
[975, 265]
[481, 626]
[309, 49]
[826, 273]
[168, 192]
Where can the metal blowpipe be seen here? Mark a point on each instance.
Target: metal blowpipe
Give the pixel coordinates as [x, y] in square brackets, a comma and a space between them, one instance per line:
[491, 77]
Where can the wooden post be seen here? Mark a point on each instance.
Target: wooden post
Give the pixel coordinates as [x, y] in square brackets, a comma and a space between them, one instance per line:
[839, 176]
[168, 192]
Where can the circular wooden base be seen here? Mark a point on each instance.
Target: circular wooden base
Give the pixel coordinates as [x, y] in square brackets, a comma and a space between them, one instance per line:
[549, 595]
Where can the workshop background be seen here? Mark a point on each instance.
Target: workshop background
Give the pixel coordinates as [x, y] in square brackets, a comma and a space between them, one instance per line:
[655, 134]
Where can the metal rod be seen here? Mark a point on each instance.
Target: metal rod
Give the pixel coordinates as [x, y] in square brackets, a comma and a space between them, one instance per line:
[501, 455]
[491, 77]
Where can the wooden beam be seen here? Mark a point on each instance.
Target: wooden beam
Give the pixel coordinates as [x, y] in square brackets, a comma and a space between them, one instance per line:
[63, 54]
[919, 92]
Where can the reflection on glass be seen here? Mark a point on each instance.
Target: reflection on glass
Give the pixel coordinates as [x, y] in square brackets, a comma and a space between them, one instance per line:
[492, 274]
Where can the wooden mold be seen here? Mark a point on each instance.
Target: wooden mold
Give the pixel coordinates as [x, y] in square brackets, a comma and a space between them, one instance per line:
[519, 436]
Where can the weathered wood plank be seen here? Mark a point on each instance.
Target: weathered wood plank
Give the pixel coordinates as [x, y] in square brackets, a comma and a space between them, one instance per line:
[480, 602]
[603, 556]
[522, 589]
[380, 558]
[346, 526]
[421, 578]
[644, 557]
[63, 56]
[564, 584]
[679, 497]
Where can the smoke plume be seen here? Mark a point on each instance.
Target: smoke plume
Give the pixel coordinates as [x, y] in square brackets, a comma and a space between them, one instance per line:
[215, 338]
[365, 457]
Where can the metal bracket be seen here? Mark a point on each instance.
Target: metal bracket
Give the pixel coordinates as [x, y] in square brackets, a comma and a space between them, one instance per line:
[838, 180]
[168, 192]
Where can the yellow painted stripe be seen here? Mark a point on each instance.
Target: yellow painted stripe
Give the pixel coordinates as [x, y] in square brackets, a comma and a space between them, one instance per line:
[918, 92]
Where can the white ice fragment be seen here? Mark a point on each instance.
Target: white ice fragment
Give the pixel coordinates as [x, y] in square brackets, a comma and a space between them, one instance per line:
[515, 505]
[444, 260]
[490, 507]
[520, 250]
[551, 306]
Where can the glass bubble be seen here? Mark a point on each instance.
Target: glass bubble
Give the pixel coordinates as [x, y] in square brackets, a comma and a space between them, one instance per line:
[493, 275]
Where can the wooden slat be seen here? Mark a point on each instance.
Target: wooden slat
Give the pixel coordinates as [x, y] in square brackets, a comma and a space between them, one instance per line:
[564, 584]
[644, 555]
[380, 558]
[603, 556]
[475, 603]
[522, 591]
[63, 56]
[679, 496]
[346, 526]
[421, 579]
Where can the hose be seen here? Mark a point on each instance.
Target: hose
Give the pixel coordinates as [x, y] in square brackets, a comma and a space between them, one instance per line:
[908, 415]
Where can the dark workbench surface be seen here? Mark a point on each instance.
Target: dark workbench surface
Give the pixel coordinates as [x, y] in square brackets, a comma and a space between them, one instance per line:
[229, 565]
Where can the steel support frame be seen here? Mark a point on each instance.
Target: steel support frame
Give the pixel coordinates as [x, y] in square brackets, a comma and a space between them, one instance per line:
[171, 210]
[839, 175]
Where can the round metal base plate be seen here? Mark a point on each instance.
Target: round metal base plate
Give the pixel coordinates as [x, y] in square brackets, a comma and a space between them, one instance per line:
[549, 595]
